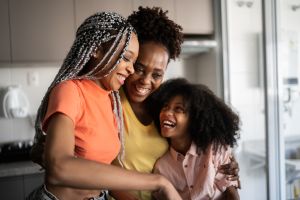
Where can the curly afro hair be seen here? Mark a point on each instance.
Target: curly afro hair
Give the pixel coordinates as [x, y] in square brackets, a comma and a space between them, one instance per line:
[211, 121]
[153, 24]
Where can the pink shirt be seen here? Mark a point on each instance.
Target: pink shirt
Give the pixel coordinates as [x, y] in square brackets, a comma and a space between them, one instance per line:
[195, 175]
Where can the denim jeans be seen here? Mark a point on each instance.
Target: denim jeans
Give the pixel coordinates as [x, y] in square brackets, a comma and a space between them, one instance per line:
[41, 193]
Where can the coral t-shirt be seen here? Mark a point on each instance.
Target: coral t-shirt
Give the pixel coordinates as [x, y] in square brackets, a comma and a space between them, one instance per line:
[90, 109]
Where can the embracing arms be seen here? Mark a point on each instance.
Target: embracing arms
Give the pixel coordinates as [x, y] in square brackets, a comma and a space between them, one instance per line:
[64, 169]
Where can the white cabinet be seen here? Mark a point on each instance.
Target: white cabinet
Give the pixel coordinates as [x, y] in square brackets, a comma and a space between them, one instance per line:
[85, 8]
[195, 16]
[41, 30]
[4, 32]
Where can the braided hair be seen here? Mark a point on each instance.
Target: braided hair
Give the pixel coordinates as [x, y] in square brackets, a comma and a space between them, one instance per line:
[107, 29]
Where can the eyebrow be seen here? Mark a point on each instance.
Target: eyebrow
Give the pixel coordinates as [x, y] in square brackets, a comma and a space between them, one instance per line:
[126, 50]
[155, 69]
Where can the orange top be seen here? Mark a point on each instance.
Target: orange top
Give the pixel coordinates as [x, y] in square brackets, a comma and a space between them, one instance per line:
[90, 109]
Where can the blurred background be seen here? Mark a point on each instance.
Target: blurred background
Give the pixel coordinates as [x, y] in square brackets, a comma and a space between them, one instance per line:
[247, 51]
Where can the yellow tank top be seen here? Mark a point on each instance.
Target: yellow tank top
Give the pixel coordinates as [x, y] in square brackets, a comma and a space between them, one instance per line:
[143, 145]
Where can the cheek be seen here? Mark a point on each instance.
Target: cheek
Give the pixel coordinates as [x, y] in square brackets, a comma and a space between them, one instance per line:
[156, 85]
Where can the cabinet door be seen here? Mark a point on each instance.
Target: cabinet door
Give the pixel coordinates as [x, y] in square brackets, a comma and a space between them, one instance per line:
[11, 188]
[164, 4]
[31, 182]
[41, 30]
[195, 16]
[86, 8]
[4, 32]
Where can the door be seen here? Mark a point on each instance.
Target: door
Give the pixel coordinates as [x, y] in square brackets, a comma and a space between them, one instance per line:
[243, 68]
[289, 93]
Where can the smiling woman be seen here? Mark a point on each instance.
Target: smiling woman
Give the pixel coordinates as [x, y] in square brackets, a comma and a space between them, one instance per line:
[80, 123]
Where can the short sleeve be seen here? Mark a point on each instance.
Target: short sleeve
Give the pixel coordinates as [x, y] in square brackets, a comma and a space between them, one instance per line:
[64, 98]
[223, 157]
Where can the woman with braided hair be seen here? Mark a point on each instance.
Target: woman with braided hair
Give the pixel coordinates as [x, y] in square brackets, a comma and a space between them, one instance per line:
[79, 126]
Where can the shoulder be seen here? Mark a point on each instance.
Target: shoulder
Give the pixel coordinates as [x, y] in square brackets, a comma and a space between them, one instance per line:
[162, 161]
[68, 85]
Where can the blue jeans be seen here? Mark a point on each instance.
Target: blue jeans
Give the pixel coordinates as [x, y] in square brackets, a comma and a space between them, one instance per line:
[41, 193]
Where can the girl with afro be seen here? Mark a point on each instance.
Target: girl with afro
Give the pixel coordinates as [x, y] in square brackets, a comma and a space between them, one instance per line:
[201, 130]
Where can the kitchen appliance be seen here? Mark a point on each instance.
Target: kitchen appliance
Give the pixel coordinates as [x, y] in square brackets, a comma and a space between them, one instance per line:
[14, 102]
[15, 151]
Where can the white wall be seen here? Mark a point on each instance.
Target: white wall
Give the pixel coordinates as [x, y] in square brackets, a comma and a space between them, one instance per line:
[23, 129]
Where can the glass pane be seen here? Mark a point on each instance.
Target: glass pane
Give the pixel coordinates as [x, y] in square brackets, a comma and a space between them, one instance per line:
[288, 77]
[247, 94]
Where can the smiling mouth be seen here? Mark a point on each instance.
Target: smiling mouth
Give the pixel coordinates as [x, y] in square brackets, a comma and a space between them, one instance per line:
[167, 124]
[142, 91]
[121, 78]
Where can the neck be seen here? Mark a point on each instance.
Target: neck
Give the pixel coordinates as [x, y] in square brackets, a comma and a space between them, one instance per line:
[181, 145]
[99, 84]
[141, 113]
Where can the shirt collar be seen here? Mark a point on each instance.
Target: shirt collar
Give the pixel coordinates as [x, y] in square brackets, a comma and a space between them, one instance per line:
[193, 150]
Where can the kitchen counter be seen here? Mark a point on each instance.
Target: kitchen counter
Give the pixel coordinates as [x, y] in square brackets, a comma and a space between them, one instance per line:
[19, 169]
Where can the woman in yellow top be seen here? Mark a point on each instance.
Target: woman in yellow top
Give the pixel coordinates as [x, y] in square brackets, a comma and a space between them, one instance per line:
[160, 39]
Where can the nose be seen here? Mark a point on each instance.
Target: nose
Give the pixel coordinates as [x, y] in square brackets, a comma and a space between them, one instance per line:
[146, 79]
[166, 111]
[130, 68]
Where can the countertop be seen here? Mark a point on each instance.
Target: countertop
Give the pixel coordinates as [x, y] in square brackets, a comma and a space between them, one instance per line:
[19, 168]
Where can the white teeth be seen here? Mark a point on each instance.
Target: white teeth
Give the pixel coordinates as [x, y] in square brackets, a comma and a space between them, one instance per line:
[168, 123]
[142, 91]
[122, 77]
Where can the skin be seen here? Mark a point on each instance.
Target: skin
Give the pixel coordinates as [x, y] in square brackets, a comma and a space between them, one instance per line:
[149, 69]
[174, 122]
[69, 177]
[116, 78]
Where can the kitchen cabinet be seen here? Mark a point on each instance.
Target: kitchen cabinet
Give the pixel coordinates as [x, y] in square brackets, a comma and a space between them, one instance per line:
[84, 9]
[11, 187]
[165, 5]
[4, 32]
[195, 16]
[18, 187]
[41, 30]
[32, 181]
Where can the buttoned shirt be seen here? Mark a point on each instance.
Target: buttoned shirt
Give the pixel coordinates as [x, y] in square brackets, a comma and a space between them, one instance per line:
[195, 175]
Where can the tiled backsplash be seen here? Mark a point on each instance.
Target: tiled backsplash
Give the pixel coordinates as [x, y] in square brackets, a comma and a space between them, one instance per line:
[21, 74]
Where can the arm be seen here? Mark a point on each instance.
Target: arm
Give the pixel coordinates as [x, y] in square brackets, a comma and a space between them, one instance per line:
[232, 170]
[63, 169]
[230, 193]
[122, 195]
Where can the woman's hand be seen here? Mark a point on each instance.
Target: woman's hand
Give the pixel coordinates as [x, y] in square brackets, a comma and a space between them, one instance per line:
[231, 170]
[169, 190]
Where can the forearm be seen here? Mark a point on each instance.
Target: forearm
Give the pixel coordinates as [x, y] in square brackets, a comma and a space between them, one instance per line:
[122, 195]
[231, 193]
[85, 174]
